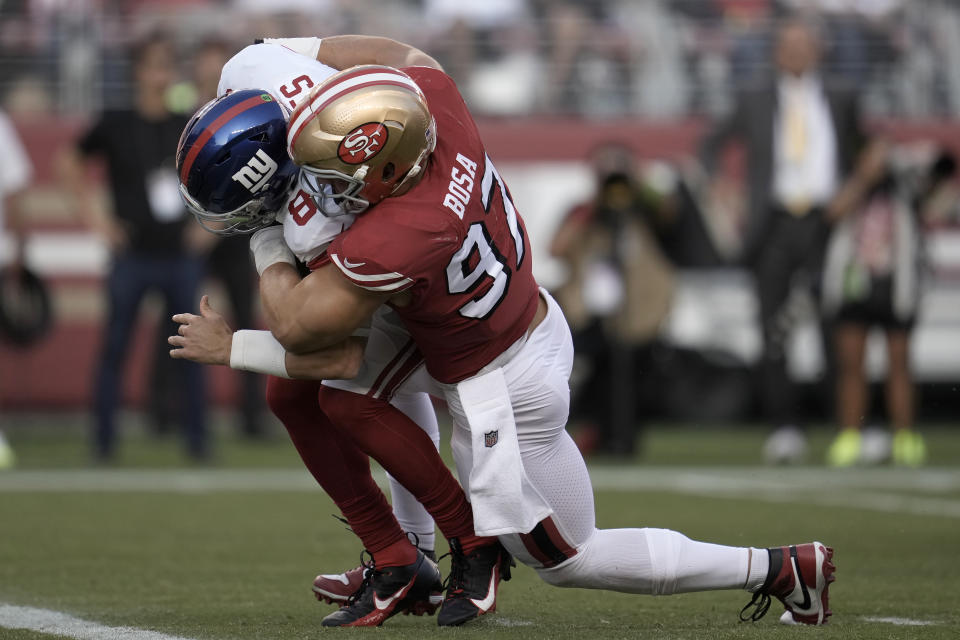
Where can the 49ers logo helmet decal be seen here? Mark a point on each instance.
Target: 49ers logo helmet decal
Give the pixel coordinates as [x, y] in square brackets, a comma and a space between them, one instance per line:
[363, 143]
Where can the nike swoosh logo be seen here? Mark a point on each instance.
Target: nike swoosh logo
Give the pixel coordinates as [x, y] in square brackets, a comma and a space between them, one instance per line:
[352, 265]
[487, 602]
[339, 577]
[383, 604]
[805, 605]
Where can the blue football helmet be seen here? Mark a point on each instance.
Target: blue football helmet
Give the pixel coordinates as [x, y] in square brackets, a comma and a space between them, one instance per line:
[233, 165]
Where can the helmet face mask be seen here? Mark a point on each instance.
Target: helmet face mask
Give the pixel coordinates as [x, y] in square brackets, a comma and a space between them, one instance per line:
[234, 170]
[248, 218]
[361, 136]
[334, 193]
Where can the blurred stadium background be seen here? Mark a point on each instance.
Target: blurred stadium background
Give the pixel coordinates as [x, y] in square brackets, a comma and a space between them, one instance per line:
[549, 81]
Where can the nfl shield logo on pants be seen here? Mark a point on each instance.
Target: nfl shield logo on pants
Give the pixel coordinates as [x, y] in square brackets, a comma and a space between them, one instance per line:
[490, 438]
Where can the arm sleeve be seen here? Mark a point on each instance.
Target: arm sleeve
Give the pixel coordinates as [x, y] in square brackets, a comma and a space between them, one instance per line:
[15, 170]
[432, 80]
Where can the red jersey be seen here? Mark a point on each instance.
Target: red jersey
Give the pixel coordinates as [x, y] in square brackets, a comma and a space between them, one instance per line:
[455, 241]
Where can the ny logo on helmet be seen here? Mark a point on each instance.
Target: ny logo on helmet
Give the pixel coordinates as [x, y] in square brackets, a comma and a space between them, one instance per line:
[257, 172]
[363, 143]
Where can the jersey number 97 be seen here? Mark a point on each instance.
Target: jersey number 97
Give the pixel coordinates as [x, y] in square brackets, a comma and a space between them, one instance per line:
[490, 262]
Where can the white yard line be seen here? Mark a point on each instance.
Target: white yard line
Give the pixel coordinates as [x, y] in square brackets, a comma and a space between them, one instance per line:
[157, 481]
[883, 490]
[900, 622]
[60, 624]
[501, 621]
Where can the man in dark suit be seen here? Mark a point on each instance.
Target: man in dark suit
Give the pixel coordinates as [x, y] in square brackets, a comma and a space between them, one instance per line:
[802, 140]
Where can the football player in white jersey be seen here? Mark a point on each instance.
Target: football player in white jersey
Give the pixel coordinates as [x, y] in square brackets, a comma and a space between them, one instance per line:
[288, 70]
[226, 165]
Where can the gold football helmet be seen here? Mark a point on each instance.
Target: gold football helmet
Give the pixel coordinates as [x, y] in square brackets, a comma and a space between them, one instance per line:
[362, 135]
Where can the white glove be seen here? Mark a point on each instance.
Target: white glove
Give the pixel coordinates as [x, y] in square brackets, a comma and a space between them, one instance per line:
[268, 248]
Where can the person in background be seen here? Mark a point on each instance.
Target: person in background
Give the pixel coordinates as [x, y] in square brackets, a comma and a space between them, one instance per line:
[15, 173]
[150, 246]
[802, 141]
[228, 261]
[872, 279]
[617, 294]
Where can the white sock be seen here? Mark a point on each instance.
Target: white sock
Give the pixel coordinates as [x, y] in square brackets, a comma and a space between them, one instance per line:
[411, 515]
[759, 566]
[688, 565]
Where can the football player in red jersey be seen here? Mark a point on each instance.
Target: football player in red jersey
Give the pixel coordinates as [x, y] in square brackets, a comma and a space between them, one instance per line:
[443, 244]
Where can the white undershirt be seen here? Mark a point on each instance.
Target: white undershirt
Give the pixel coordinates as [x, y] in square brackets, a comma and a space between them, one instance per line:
[805, 144]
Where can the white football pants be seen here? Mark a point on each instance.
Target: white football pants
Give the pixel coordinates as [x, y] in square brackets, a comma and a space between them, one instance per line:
[567, 549]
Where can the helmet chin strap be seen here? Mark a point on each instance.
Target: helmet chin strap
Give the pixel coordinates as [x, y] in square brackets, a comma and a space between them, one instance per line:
[417, 167]
[409, 179]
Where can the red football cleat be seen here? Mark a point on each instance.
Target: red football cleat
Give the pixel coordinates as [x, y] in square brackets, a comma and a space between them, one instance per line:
[387, 591]
[801, 577]
[337, 588]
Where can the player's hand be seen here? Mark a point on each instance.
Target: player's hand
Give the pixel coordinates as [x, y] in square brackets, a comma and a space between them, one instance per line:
[204, 338]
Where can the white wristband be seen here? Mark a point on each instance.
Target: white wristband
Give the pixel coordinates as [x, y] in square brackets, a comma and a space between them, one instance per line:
[269, 248]
[309, 47]
[258, 351]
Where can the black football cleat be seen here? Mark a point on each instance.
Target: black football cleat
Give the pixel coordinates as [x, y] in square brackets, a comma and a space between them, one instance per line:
[386, 592]
[336, 588]
[473, 582]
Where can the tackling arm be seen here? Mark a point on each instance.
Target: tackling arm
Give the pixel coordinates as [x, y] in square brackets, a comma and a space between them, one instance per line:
[341, 52]
[208, 339]
[313, 313]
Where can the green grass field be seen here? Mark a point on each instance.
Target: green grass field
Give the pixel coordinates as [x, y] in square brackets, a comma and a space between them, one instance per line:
[230, 551]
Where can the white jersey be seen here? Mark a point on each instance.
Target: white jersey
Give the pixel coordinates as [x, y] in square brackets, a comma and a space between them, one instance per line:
[289, 77]
[285, 74]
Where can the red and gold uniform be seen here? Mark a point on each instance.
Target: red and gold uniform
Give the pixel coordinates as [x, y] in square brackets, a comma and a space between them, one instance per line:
[455, 241]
